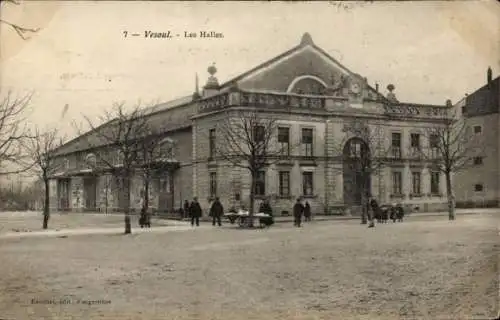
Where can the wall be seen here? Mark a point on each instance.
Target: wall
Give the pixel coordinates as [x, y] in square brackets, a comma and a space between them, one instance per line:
[487, 173]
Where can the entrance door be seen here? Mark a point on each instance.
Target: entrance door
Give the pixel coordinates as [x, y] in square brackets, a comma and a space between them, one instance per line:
[63, 193]
[355, 171]
[90, 193]
[165, 195]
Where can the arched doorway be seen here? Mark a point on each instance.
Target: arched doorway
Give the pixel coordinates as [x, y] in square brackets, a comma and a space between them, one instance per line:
[356, 171]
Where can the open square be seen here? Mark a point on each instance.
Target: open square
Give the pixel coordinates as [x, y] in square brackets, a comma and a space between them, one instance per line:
[424, 268]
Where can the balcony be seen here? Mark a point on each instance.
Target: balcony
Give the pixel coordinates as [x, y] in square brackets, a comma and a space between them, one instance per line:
[261, 99]
[405, 110]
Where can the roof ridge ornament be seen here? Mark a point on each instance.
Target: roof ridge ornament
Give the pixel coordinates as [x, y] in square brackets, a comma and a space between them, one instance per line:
[306, 40]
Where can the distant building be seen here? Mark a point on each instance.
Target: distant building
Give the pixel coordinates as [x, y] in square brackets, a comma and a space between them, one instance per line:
[479, 185]
[314, 95]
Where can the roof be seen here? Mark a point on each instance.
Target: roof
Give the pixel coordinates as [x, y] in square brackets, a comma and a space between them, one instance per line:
[306, 42]
[178, 117]
[485, 100]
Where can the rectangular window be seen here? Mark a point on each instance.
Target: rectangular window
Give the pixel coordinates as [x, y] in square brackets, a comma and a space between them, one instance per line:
[307, 142]
[307, 183]
[284, 140]
[477, 129]
[259, 133]
[435, 177]
[415, 140]
[260, 183]
[213, 184]
[478, 161]
[434, 141]
[396, 145]
[397, 182]
[478, 187]
[284, 186]
[434, 146]
[211, 142]
[416, 183]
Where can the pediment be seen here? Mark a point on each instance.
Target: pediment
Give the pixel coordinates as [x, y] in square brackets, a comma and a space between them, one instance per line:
[305, 69]
[305, 63]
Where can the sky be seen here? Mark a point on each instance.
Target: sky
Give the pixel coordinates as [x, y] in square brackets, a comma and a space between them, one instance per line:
[430, 51]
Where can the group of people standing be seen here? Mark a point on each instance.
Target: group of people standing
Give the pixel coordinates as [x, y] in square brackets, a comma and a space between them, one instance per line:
[193, 210]
[300, 209]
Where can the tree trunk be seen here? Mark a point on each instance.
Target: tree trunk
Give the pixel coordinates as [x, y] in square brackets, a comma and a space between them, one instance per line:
[46, 210]
[146, 194]
[252, 200]
[126, 202]
[364, 209]
[450, 196]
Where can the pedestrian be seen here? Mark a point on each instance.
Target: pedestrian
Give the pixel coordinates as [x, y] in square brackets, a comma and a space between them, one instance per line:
[186, 209]
[307, 212]
[375, 212]
[298, 210]
[195, 212]
[216, 212]
[265, 207]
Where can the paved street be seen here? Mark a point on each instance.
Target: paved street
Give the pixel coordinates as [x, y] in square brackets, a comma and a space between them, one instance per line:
[423, 268]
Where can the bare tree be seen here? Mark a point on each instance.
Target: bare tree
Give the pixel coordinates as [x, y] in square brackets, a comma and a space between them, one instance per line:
[13, 134]
[452, 148]
[40, 148]
[247, 139]
[20, 30]
[155, 154]
[364, 153]
[120, 132]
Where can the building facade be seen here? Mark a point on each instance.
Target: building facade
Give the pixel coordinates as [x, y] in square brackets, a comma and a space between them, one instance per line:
[479, 185]
[316, 100]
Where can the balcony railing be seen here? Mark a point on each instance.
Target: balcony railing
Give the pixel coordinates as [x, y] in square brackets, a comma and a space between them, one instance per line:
[281, 100]
[286, 100]
[261, 99]
[395, 153]
[409, 110]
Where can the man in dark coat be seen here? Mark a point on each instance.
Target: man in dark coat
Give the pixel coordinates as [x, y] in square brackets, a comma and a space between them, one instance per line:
[216, 212]
[186, 209]
[375, 212]
[307, 212]
[298, 210]
[195, 212]
[265, 207]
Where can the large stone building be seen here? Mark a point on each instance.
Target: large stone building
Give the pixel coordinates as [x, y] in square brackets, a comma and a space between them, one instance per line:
[315, 98]
[479, 184]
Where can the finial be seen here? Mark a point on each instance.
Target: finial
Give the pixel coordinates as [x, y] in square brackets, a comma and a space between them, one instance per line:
[196, 83]
[391, 87]
[212, 82]
[212, 69]
[306, 39]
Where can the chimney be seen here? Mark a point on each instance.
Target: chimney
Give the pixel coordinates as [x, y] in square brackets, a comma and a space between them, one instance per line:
[376, 87]
[489, 74]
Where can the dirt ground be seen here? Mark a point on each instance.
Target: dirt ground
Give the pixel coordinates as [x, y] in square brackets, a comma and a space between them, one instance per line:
[420, 269]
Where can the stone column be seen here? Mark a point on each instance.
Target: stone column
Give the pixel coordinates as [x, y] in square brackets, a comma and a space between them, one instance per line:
[407, 181]
[77, 200]
[53, 196]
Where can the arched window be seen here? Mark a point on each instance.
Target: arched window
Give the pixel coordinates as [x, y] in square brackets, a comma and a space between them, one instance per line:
[166, 149]
[91, 161]
[307, 85]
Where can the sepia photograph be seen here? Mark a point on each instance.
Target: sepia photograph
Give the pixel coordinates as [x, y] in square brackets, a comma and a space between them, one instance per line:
[233, 160]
